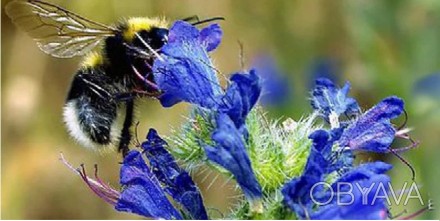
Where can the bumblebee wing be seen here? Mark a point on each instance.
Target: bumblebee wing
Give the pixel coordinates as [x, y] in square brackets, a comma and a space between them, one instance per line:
[58, 32]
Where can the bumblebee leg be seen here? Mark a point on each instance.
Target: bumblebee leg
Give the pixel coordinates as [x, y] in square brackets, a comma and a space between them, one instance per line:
[126, 132]
[123, 97]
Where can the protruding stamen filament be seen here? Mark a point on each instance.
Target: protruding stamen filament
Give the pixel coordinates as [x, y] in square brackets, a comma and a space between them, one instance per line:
[405, 121]
[405, 162]
[101, 189]
[403, 133]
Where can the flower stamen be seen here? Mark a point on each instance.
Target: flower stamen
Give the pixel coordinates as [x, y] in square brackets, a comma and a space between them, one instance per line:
[405, 114]
[404, 135]
[395, 153]
[103, 183]
[101, 189]
[104, 192]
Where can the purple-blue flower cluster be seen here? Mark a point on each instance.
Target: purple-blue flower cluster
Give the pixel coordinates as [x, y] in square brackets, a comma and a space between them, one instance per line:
[176, 181]
[356, 205]
[142, 193]
[159, 188]
[373, 130]
[332, 152]
[145, 187]
[328, 99]
[186, 74]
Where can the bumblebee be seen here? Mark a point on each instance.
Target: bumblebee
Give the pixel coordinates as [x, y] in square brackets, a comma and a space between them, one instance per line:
[98, 111]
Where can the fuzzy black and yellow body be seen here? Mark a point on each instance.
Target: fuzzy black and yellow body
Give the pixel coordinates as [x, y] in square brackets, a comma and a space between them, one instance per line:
[94, 97]
[99, 105]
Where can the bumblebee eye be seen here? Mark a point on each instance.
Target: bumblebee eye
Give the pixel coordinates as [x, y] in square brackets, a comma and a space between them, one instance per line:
[159, 37]
[156, 38]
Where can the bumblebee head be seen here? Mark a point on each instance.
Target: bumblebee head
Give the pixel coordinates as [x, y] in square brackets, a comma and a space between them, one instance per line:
[154, 31]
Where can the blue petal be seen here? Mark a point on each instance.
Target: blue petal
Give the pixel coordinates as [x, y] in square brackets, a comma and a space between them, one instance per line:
[177, 182]
[142, 193]
[296, 194]
[358, 210]
[386, 110]
[322, 160]
[366, 171]
[240, 97]
[373, 131]
[186, 72]
[211, 37]
[376, 137]
[182, 31]
[319, 164]
[327, 98]
[230, 153]
[369, 175]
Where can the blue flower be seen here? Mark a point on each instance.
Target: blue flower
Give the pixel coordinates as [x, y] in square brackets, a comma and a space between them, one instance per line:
[319, 164]
[275, 84]
[177, 182]
[318, 161]
[211, 37]
[296, 194]
[230, 153]
[305, 194]
[350, 189]
[142, 193]
[327, 98]
[240, 97]
[185, 72]
[310, 198]
[373, 130]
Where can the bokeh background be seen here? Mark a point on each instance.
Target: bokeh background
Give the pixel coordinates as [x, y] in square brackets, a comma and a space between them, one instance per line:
[382, 47]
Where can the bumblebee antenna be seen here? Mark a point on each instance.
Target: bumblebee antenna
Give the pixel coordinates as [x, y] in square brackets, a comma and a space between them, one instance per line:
[208, 20]
[191, 18]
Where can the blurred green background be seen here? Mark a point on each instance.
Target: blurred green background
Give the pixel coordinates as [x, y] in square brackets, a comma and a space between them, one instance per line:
[381, 47]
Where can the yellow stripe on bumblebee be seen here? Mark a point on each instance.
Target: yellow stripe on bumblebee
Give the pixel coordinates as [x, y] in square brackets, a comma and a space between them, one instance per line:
[136, 24]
